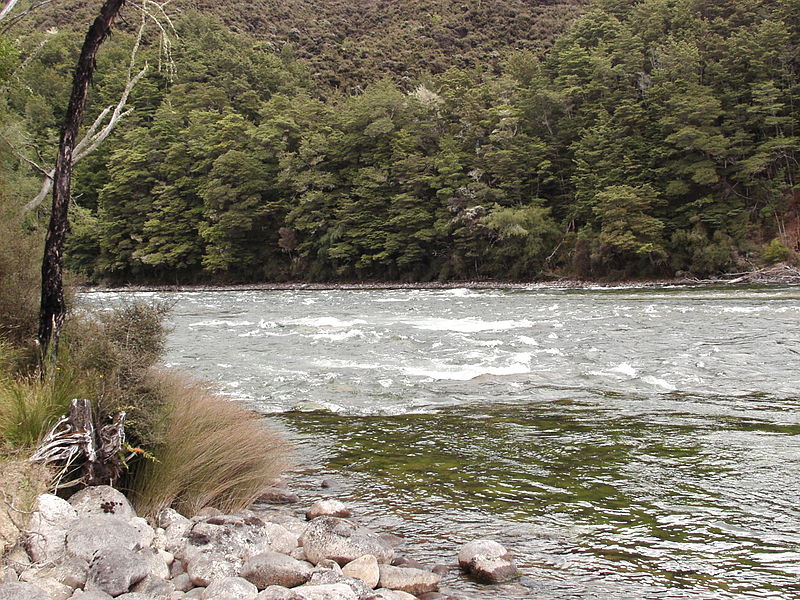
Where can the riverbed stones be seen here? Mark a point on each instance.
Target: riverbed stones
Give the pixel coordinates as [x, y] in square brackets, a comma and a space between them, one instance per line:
[274, 568]
[242, 537]
[154, 587]
[47, 529]
[230, 588]
[101, 500]
[408, 579]
[487, 561]
[277, 592]
[342, 541]
[20, 591]
[328, 508]
[278, 495]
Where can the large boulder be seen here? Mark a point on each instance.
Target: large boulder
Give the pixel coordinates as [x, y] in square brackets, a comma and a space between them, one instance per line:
[334, 591]
[88, 535]
[327, 508]
[54, 589]
[115, 570]
[408, 579]
[242, 537]
[101, 500]
[47, 531]
[364, 568]
[21, 591]
[209, 567]
[487, 561]
[342, 541]
[94, 595]
[274, 568]
[230, 588]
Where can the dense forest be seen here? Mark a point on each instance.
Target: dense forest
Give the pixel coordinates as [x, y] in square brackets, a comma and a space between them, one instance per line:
[420, 140]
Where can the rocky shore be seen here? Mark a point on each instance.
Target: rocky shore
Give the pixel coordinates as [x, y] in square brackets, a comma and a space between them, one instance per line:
[780, 274]
[94, 547]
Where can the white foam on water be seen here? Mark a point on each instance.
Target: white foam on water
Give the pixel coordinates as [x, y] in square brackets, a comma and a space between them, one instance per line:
[468, 325]
[624, 369]
[221, 323]
[518, 364]
[331, 322]
[659, 383]
[741, 309]
[339, 335]
[529, 341]
[489, 343]
[386, 383]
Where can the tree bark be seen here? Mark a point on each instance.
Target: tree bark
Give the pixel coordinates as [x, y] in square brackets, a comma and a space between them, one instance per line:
[53, 307]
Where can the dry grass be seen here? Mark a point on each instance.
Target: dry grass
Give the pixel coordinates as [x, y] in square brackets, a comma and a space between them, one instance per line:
[214, 453]
[20, 483]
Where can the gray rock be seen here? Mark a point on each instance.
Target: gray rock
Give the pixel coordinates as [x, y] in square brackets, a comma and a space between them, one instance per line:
[195, 593]
[364, 568]
[335, 591]
[327, 508]
[387, 594]
[54, 589]
[156, 565]
[133, 596]
[277, 592]
[298, 553]
[90, 534]
[342, 541]
[115, 570]
[96, 595]
[230, 588]
[176, 595]
[101, 500]
[407, 579]
[274, 568]
[277, 495]
[182, 582]
[72, 571]
[154, 587]
[206, 568]
[21, 591]
[235, 536]
[487, 561]
[8, 575]
[146, 533]
[47, 530]
[177, 567]
[168, 517]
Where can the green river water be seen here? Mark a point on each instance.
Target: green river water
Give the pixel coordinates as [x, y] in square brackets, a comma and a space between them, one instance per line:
[624, 444]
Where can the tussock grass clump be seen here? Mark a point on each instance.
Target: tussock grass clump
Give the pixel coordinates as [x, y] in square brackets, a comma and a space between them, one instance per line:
[214, 453]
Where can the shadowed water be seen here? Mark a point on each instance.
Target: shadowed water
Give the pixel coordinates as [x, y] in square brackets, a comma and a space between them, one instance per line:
[624, 443]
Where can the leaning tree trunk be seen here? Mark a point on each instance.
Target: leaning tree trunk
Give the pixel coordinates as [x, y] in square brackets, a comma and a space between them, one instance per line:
[53, 307]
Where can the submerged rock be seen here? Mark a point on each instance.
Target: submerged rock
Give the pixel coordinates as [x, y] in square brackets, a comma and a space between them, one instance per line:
[408, 579]
[327, 508]
[487, 561]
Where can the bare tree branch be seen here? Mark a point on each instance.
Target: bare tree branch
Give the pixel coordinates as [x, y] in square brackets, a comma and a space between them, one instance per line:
[7, 8]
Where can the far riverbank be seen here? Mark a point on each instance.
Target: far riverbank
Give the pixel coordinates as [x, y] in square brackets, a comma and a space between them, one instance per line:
[782, 274]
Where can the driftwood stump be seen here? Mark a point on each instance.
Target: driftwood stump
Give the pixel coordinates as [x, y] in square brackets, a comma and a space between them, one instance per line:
[80, 448]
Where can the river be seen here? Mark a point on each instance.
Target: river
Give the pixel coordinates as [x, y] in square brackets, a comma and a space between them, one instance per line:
[623, 443]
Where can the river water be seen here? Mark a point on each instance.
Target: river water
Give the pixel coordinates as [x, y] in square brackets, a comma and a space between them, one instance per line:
[624, 443]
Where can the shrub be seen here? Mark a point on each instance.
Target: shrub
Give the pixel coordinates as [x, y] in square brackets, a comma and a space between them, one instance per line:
[20, 267]
[775, 252]
[214, 453]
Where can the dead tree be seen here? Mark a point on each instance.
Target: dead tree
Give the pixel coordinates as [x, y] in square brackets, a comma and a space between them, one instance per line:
[53, 307]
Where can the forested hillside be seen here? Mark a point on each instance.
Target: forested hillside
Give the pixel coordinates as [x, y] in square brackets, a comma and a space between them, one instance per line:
[422, 140]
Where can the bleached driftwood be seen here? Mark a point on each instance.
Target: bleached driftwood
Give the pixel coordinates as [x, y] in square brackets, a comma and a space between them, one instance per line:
[75, 443]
